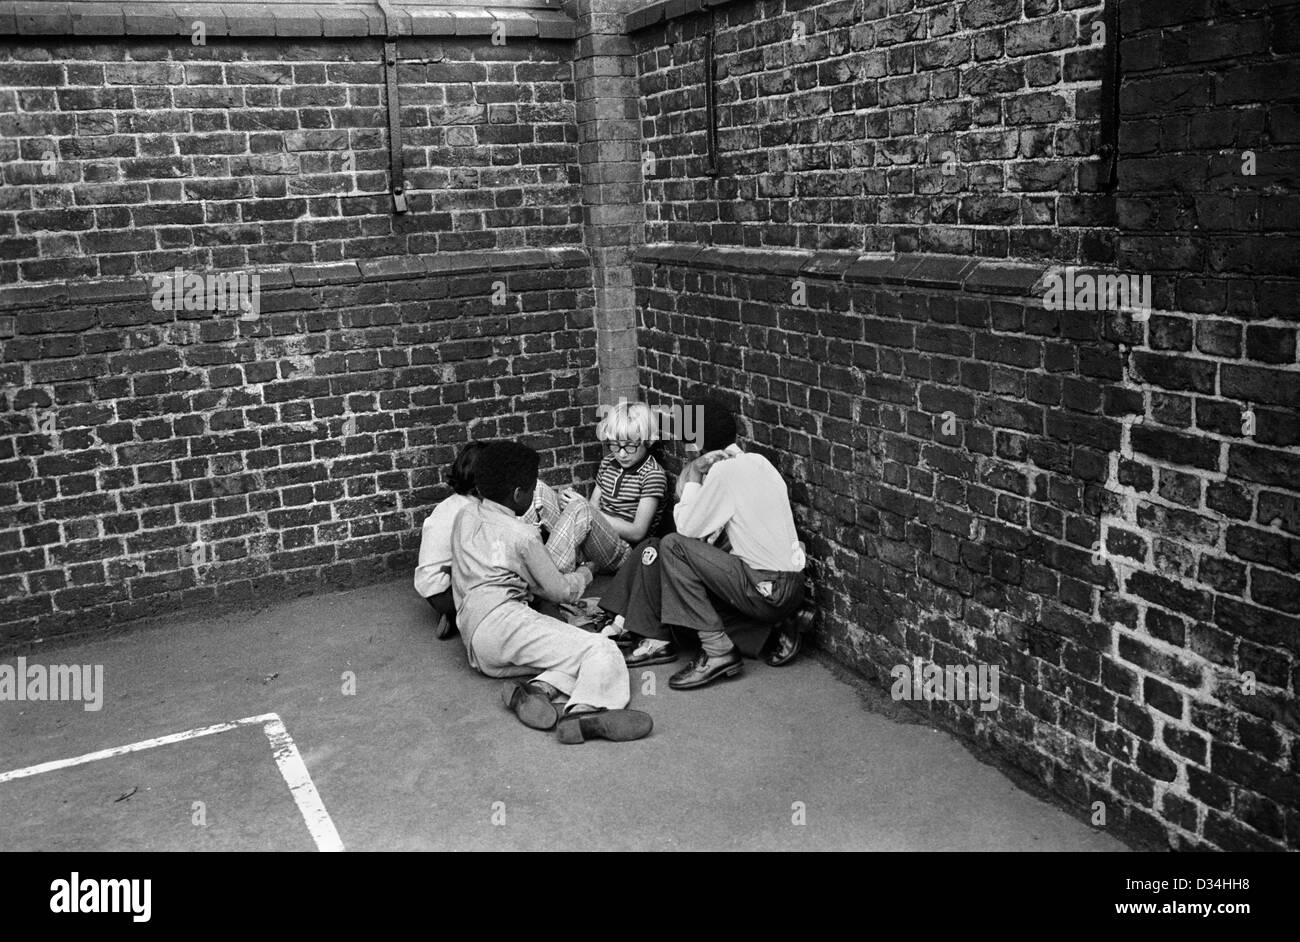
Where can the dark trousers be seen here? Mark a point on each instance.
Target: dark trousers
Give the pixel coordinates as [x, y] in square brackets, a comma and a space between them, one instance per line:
[688, 584]
[634, 592]
[443, 605]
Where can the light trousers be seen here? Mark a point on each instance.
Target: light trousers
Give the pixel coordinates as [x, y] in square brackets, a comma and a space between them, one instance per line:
[514, 641]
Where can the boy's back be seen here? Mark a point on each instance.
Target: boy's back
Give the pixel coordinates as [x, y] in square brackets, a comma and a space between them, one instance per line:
[497, 560]
[498, 564]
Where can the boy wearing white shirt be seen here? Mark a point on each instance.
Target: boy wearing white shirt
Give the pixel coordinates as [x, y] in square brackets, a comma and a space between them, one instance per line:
[744, 498]
[433, 568]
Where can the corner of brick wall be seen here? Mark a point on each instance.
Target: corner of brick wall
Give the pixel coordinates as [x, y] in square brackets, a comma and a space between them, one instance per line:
[1057, 493]
[609, 147]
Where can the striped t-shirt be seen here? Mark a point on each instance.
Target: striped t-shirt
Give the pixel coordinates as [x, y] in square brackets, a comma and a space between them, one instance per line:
[621, 489]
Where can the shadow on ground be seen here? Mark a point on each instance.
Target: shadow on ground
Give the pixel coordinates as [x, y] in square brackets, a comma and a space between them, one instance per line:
[423, 756]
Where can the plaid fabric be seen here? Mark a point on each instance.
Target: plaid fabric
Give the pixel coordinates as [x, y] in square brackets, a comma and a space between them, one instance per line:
[577, 534]
[603, 548]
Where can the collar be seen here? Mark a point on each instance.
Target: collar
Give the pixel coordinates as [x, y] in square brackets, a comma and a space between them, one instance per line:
[732, 450]
[496, 508]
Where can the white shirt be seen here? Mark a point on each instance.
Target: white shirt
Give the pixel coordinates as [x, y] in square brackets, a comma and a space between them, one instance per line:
[744, 494]
[433, 569]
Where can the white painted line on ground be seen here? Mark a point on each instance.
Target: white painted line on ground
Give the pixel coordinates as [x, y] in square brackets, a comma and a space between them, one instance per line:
[133, 747]
[301, 786]
[287, 759]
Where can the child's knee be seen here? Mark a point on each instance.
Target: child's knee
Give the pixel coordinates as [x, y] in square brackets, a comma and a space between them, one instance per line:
[673, 544]
[605, 648]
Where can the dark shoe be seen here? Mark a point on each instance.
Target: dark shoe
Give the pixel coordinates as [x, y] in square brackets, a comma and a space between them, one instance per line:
[532, 706]
[789, 638]
[705, 670]
[614, 725]
[788, 642]
[626, 640]
[545, 689]
[443, 628]
[665, 655]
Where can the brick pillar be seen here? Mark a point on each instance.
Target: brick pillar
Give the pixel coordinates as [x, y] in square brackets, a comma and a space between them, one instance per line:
[609, 151]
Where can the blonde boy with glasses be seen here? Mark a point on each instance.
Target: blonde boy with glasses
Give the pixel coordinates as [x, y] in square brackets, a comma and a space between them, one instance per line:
[625, 505]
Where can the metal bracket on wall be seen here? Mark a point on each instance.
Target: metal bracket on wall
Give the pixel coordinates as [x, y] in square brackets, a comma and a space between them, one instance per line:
[396, 172]
[1109, 131]
[710, 101]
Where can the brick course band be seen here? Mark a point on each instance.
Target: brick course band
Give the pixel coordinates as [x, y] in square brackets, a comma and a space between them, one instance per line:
[296, 20]
[982, 276]
[336, 273]
[669, 10]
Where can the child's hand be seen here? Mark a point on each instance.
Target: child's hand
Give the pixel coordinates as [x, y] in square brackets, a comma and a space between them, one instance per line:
[707, 461]
[569, 494]
[697, 469]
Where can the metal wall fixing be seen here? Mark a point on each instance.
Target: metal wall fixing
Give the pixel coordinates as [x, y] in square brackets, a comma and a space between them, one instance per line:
[396, 172]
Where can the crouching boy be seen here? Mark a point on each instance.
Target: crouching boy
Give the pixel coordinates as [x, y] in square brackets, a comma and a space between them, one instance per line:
[498, 564]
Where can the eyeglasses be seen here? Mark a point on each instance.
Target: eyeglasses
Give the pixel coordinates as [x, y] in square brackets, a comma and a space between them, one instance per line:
[627, 447]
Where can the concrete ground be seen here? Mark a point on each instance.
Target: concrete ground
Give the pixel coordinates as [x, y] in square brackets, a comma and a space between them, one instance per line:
[424, 757]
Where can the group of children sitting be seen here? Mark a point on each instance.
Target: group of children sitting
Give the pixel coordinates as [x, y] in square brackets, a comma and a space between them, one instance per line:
[504, 544]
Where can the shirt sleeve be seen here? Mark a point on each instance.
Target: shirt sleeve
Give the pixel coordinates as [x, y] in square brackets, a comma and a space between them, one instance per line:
[708, 507]
[433, 568]
[655, 483]
[545, 578]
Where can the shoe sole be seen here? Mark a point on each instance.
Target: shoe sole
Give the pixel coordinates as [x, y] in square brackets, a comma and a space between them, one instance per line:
[533, 709]
[613, 725]
[443, 628]
[663, 657]
[733, 671]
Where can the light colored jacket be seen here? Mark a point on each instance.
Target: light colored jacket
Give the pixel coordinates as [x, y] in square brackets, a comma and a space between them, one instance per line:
[498, 559]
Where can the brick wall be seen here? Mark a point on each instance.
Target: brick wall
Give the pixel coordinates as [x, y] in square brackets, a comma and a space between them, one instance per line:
[1105, 506]
[193, 457]
[981, 481]
[1101, 504]
[140, 154]
[154, 458]
[1209, 200]
[961, 127]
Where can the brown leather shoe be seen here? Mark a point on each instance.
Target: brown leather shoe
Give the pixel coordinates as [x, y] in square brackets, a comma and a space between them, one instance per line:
[705, 670]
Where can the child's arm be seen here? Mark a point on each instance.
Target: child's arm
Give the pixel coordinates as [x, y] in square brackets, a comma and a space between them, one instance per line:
[546, 580]
[704, 508]
[635, 531]
[434, 562]
[595, 498]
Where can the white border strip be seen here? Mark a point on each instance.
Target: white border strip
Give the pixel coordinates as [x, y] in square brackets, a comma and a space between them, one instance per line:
[301, 786]
[287, 759]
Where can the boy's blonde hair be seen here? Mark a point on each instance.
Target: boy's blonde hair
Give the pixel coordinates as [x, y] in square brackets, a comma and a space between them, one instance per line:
[625, 422]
